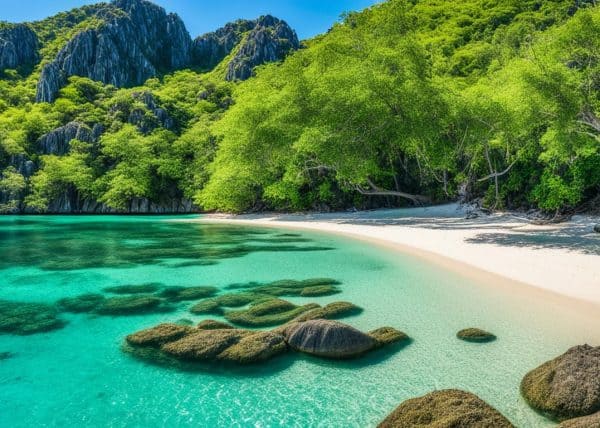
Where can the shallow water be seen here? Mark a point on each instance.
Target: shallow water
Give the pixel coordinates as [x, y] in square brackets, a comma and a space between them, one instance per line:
[78, 376]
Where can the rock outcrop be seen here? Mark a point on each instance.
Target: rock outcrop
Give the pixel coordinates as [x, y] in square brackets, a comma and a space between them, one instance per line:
[447, 408]
[18, 46]
[266, 39]
[567, 386]
[57, 142]
[135, 41]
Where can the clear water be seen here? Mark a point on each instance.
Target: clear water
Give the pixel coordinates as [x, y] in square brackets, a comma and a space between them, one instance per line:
[78, 376]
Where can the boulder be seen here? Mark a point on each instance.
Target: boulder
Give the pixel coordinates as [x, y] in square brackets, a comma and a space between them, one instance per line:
[566, 387]
[329, 339]
[388, 335]
[203, 345]
[254, 348]
[475, 335]
[592, 421]
[268, 313]
[446, 409]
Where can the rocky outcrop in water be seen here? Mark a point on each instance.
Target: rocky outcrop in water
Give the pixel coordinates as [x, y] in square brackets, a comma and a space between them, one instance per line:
[18, 46]
[266, 39]
[136, 40]
[447, 408]
[567, 386]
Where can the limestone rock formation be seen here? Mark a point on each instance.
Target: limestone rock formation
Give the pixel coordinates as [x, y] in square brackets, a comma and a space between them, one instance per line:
[567, 386]
[135, 40]
[57, 142]
[445, 409]
[18, 46]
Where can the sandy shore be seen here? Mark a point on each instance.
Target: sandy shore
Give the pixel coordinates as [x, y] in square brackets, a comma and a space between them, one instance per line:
[563, 259]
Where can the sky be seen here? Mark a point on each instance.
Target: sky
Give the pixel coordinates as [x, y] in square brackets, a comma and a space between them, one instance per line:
[307, 17]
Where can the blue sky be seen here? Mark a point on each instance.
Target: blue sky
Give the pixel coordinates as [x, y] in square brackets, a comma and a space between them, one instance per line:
[307, 17]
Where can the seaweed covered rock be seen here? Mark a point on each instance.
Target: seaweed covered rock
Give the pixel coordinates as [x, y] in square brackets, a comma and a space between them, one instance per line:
[181, 294]
[257, 347]
[204, 345]
[236, 300]
[28, 318]
[475, 335]
[331, 311]
[592, 421]
[567, 386]
[445, 409]
[207, 307]
[213, 325]
[319, 290]
[159, 335]
[270, 312]
[388, 335]
[329, 339]
[134, 289]
[79, 304]
[131, 305]
[307, 288]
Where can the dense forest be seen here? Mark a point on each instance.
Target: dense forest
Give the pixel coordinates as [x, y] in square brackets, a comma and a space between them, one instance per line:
[407, 102]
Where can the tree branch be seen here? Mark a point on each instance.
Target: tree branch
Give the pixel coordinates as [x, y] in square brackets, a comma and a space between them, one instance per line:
[377, 191]
[498, 174]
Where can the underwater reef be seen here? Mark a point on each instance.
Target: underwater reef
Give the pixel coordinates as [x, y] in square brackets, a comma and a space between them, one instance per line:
[475, 335]
[22, 318]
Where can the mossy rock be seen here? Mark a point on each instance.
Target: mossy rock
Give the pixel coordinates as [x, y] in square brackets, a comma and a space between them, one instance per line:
[475, 335]
[204, 345]
[81, 304]
[254, 348]
[184, 321]
[181, 294]
[236, 300]
[134, 289]
[314, 282]
[592, 421]
[566, 387]
[159, 335]
[131, 305]
[334, 310]
[446, 408]
[207, 307]
[388, 335]
[28, 318]
[271, 312]
[214, 325]
[319, 290]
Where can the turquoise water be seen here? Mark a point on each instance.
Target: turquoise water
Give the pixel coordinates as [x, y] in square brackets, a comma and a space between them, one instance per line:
[78, 376]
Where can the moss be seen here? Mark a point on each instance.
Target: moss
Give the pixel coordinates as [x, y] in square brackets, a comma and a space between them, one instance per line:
[206, 307]
[131, 305]
[388, 335]
[159, 335]
[180, 294]
[475, 335]
[255, 348]
[213, 325]
[271, 312]
[447, 408]
[79, 304]
[331, 311]
[319, 290]
[28, 318]
[134, 289]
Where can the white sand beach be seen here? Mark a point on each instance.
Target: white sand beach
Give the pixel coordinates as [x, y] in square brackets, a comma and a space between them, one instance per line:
[500, 249]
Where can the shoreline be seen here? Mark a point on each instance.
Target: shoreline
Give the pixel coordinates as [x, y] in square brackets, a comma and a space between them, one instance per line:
[558, 268]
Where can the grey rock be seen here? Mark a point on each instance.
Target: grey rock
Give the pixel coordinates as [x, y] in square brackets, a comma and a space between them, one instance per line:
[597, 228]
[18, 46]
[135, 41]
[212, 48]
[58, 141]
[22, 164]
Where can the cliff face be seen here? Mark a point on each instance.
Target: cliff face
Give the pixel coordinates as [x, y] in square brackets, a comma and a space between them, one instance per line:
[135, 41]
[18, 46]
[266, 39]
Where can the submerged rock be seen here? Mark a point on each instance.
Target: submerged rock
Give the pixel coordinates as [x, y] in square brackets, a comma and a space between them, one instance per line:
[270, 312]
[214, 325]
[83, 303]
[475, 335]
[6, 355]
[207, 307]
[131, 305]
[257, 347]
[592, 421]
[28, 318]
[567, 386]
[334, 310]
[446, 409]
[329, 339]
[180, 294]
[133, 289]
[597, 228]
[203, 345]
[388, 335]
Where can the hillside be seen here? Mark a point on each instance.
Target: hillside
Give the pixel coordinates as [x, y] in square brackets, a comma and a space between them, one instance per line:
[115, 108]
